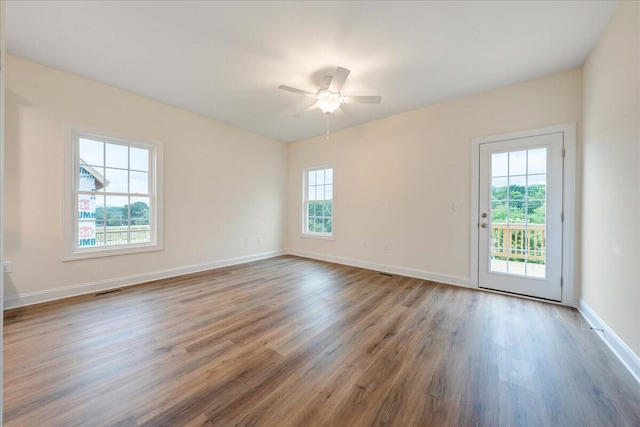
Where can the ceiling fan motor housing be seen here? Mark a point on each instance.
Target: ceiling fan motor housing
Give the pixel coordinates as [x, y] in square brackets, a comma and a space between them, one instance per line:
[328, 101]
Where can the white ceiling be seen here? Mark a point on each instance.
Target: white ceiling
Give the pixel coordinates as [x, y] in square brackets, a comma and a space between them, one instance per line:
[225, 60]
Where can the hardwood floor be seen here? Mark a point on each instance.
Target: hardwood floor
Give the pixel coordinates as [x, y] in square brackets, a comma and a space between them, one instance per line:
[291, 341]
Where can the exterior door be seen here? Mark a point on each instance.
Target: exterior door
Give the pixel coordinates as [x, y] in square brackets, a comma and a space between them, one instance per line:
[520, 223]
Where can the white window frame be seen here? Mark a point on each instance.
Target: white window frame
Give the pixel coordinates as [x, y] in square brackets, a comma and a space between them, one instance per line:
[305, 201]
[70, 250]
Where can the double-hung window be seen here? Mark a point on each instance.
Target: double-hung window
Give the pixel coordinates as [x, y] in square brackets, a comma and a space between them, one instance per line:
[113, 204]
[318, 202]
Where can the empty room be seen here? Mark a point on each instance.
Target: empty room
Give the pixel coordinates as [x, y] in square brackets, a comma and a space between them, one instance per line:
[320, 213]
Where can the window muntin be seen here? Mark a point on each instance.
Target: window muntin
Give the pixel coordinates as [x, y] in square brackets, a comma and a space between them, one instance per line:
[113, 205]
[318, 202]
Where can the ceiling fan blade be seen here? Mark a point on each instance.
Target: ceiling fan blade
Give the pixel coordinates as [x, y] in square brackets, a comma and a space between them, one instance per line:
[310, 108]
[362, 99]
[338, 79]
[298, 91]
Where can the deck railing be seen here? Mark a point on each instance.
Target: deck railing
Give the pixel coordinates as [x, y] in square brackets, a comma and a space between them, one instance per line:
[519, 241]
[119, 235]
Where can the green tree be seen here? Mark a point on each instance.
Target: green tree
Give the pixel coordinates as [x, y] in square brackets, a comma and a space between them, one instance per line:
[139, 212]
[512, 202]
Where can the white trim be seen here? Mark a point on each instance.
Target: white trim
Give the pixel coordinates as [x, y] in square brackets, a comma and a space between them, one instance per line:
[385, 268]
[319, 236]
[568, 201]
[119, 282]
[3, 66]
[629, 359]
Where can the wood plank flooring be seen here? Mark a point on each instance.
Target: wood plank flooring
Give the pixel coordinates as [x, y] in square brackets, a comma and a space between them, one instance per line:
[295, 342]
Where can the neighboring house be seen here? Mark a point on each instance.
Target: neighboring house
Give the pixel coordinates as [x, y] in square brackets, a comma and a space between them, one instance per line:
[88, 180]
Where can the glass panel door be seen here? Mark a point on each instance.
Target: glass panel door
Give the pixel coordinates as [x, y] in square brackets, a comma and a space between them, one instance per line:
[520, 200]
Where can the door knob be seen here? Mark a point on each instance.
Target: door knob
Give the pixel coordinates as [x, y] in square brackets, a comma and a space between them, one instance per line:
[483, 225]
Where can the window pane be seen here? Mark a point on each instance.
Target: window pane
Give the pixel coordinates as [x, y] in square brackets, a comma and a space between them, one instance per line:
[117, 210]
[320, 192]
[516, 211]
[518, 162]
[537, 188]
[538, 161]
[327, 225]
[86, 207]
[319, 209]
[328, 209]
[310, 223]
[91, 152]
[117, 156]
[86, 234]
[117, 180]
[90, 178]
[139, 210]
[537, 212]
[139, 159]
[312, 193]
[100, 234]
[312, 177]
[310, 209]
[139, 182]
[140, 232]
[500, 164]
[328, 176]
[117, 233]
[537, 180]
[517, 187]
[320, 177]
[498, 212]
[499, 188]
[328, 192]
[100, 217]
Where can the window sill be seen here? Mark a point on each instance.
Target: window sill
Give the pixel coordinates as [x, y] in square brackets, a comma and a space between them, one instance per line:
[318, 236]
[101, 253]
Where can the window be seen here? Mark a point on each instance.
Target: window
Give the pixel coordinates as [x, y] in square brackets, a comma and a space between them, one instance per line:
[112, 196]
[318, 202]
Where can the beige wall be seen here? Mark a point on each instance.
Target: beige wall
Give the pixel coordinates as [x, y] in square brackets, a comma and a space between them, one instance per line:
[397, 178]
[611, 177]
[220, 183]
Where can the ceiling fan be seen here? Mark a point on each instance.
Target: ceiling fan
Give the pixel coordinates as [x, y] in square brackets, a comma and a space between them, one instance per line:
[329, 98]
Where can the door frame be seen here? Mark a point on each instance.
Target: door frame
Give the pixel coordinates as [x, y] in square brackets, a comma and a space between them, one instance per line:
[568, 203]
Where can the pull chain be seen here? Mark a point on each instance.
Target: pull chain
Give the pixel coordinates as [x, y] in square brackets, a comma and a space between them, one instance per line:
[327, 126]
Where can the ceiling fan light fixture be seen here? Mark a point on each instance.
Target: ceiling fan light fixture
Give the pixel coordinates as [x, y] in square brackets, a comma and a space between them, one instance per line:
[328, 101]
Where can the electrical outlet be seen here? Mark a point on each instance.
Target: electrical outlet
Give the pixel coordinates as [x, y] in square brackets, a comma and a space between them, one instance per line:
[458, 206]
[7, 267]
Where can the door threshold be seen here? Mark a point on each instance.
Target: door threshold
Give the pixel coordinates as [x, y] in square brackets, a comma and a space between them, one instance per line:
[529, 297]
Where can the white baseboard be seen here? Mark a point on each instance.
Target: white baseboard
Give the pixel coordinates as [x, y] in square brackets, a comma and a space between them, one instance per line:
[119, 282]
[385, 268]
[628, 358]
